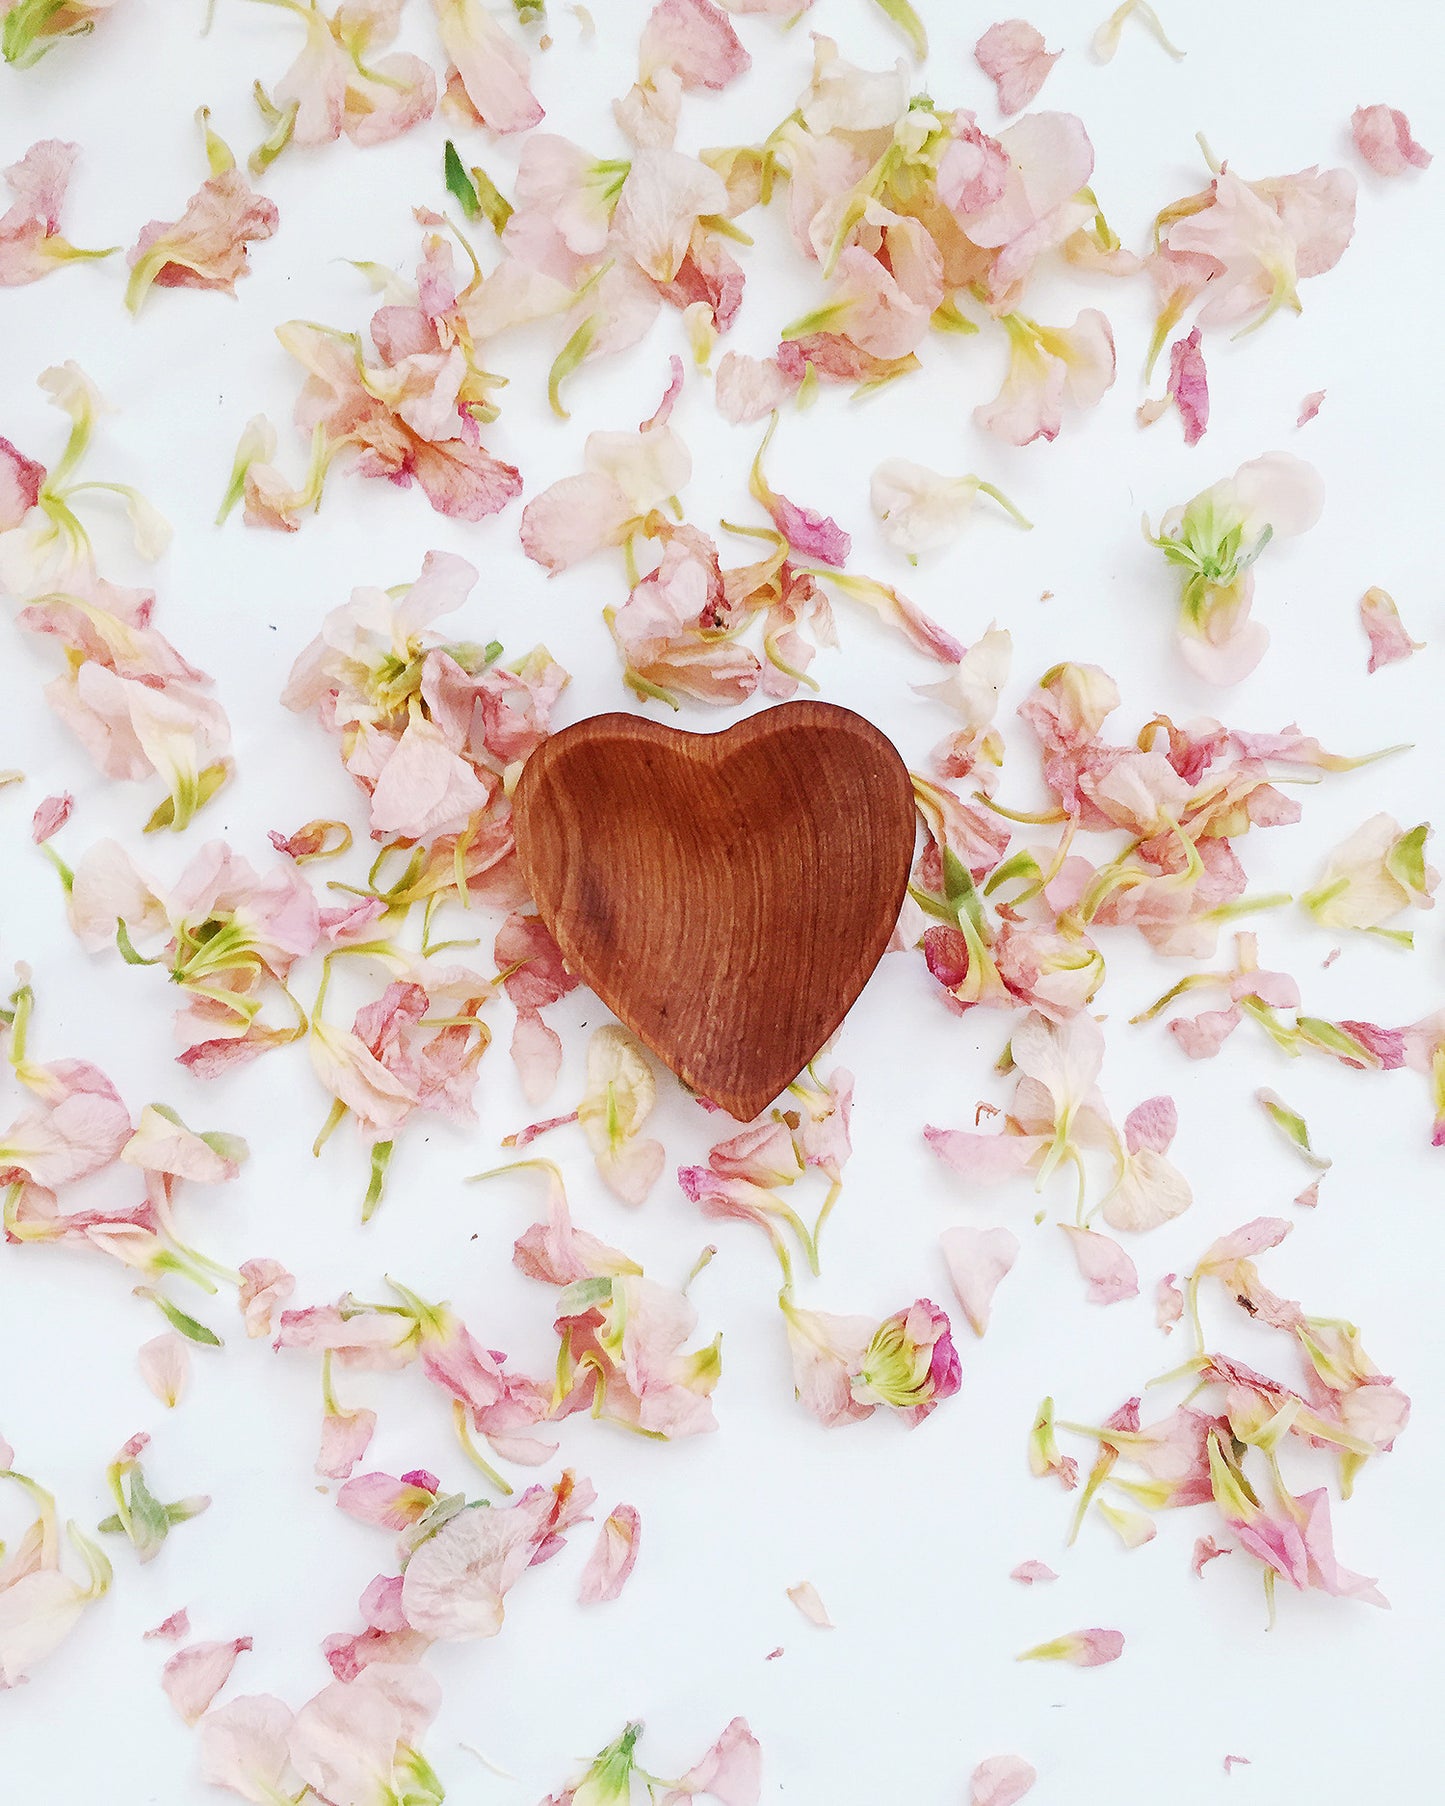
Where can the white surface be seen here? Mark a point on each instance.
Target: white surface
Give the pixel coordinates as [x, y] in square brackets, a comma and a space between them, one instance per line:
[909, 1538]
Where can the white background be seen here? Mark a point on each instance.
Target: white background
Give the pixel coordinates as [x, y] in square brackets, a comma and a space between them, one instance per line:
[909, 1537]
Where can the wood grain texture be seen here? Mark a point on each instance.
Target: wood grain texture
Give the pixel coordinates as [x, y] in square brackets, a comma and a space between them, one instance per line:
[726, 895]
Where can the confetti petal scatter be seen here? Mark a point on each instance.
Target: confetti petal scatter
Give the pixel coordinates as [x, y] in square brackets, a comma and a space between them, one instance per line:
[412, 1393]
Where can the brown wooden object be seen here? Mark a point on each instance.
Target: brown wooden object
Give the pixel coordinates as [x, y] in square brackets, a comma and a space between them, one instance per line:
[726, 895]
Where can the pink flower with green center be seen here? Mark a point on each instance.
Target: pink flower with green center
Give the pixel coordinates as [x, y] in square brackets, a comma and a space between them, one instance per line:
[844, 1368]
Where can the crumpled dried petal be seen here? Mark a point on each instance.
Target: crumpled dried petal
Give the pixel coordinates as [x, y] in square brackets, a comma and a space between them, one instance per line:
[207, 246]
[1082, 1648]
[1383, 138]
[1389, 642]
[1001, 1781]
[195, 1675]
[613, 1556]
[1012, 56]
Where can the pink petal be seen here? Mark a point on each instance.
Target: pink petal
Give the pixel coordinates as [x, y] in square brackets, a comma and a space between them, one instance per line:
[1389, 642]
[1233, 1762]
[1032, 1573]
[425, 787]
[20, 483]
[1152, 1124]
[985, 1159]
[1110, 1273]
[171, 1629]
[265, 1287]
[492, 67]
[1310, 406]
[1168, 1303]
[206, 246]
[694, 39]
[536, 1053]
[809, 533]
[165, 1365]
[613, 1556]
[750, 388]
[193, 1677]
[730, 1773]
[805, 1596]
[1202, 1036]
[243, 1746]
[1383, 138]
[345, 1438]
[1082, 1648]
[50, 817]
[1001, 1781]
[977, 1260]
[1012, 56]
[1207, 1550]
[1189, 385]
[78, 1127]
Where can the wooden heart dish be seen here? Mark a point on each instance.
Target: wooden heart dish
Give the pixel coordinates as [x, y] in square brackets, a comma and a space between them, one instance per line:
[726, 895]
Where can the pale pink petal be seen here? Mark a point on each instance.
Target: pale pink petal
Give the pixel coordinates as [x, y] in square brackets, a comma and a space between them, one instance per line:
[172, 1629]
[193, 1677]
[1389, 642]
[1032, 1573]
[1257, 1236]
[661, 201]
[574, 518]
[751, 388]
[1168, 1303]
[243, 1748]
[79, 1126]
[973, 171]
[265, 1287]
[1149, 1191]
[492, 66]
[345, 1438]
[1383, 138]
[1107, 1269]
[537, 1054]
[425, 787]
[165, 1365]
[1012, 56]
[454, 1585]
[977, 1260]
[986, 1159]
[613, 1556]
[1310, 406]
[1001, 1781]
[730, 1773]
[207, 246]
[163, 1144]
[806, 1597]
[696, 41]
[1202, 1036]
[344, 1742]
[1152, 1124]
[1082, 1648]
[389, 1502]
[1233, 1762]
[37, 1613]
[1207, 1550]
